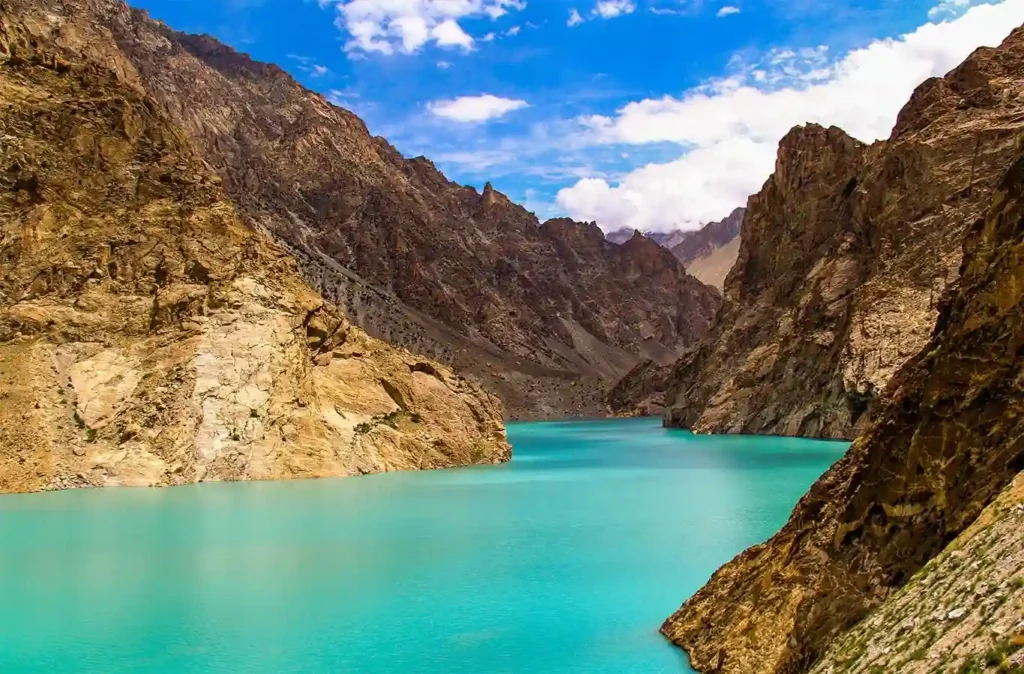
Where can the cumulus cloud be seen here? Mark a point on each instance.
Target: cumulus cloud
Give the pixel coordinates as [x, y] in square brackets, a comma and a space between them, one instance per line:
[469, 109]
[609, 9]
[729, 128]
[603, 9]
[727, 10]
[390, 26]
[948, 9]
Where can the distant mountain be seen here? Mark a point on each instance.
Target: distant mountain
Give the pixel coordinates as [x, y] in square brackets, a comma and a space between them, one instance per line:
[666, 239]
[707, 253]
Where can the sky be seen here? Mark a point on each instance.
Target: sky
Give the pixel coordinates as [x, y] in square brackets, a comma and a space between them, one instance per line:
[648, 114]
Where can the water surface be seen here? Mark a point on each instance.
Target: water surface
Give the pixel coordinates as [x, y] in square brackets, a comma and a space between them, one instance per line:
[566, 560]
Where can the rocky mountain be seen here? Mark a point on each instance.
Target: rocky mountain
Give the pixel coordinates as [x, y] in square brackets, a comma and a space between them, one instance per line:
[147, 335]
[666, 239]
[710, 252]
[544, 314]
[945, 442]
[844, 255]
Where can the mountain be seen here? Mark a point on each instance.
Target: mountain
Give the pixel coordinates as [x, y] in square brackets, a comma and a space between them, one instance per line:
[710, 252]
[545, 314]
[665, 239]
[844, 255]
[881, 553]
[946, 443]
[147, 335]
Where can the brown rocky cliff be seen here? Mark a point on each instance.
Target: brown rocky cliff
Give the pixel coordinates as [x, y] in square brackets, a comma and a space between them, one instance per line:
[844, 254]
[948, 438]
[148, 337]
[471, 279]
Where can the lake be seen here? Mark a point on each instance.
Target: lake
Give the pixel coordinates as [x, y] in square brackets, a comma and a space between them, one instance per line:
[565, 560]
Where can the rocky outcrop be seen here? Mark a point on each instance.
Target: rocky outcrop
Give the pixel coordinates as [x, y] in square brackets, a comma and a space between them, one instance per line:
[844, 255]
[963, 612]
[948, 438]
[466, 277]
[641, 393]
[147, 336]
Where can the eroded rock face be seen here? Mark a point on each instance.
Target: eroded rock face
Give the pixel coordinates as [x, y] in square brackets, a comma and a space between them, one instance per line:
[949, 437]
[545, 315]
[148, 337]
[963, 610]
[844, 255]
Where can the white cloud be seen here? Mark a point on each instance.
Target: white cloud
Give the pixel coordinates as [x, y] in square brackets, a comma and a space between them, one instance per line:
[444, 65]
[450, 34]
[948, 9]
[603, 9]
[406, 26]
[730, 128]
[513, 31]
[609, 9]
[727, 10]
[308, 66]
[468, 109]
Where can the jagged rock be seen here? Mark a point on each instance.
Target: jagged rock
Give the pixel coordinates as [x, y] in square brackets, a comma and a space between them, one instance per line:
[948, 438]
[148, 337]
[844, 255]
[470, 279]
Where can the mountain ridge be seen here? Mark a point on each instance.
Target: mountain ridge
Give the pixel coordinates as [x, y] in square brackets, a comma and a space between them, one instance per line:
[465, 277]
[149, 338]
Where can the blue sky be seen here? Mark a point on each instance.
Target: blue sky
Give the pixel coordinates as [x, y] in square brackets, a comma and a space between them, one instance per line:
[648, 113]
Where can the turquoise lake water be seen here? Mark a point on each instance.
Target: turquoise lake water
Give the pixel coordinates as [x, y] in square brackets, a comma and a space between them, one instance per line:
[565, 560]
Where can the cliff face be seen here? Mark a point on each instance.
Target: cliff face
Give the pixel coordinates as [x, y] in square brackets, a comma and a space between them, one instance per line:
[963, 612]
[948, 438]
[469, 278]
[844, 254]
[147, 336]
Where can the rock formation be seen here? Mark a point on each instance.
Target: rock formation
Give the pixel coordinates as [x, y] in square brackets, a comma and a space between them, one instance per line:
[149, 337]
[844, 255]
[545, 315]
[947, 439]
